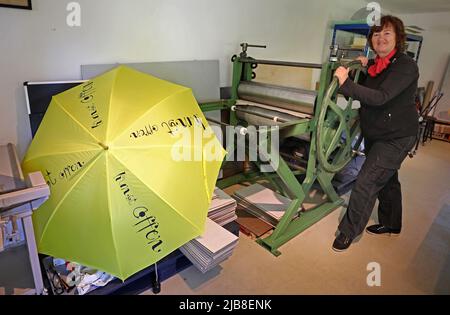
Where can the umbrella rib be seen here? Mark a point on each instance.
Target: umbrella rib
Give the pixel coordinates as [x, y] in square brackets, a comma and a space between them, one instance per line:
[184, 89]
[205, 177]
[150, 146]
[58, 153]
[110, 106]
[88, 167]
[110, 218]
[75, 120]
[166, 202]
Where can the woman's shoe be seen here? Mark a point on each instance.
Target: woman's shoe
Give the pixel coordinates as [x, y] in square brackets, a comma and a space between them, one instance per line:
[378, 229]
[342, 242]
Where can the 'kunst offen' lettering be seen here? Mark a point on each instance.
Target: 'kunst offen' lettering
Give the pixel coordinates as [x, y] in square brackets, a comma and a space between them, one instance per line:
[147, 223]
[87, 98]
[171, 126]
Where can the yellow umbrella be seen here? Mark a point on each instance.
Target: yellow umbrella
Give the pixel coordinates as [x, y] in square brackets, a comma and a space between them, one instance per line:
[130, 177]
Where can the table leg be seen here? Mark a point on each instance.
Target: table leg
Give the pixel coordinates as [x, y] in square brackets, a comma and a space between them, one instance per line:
[33, 254]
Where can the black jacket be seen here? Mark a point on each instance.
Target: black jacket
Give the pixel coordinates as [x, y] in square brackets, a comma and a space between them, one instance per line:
[388, 108]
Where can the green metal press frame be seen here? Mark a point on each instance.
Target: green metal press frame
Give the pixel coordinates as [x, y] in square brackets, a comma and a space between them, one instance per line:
[328, 122]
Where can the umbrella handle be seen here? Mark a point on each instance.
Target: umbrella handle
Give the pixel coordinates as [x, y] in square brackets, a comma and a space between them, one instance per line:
[156, 285]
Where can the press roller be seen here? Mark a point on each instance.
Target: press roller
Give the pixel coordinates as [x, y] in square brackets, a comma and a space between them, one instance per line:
[293, 99]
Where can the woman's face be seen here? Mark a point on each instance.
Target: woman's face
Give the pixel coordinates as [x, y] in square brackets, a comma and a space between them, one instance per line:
[383, 42]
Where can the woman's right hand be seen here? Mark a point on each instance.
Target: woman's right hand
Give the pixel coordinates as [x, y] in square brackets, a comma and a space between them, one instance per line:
[342, 74]
[364, 60]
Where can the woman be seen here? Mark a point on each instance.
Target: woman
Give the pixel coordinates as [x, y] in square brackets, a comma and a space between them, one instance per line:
[389, 124]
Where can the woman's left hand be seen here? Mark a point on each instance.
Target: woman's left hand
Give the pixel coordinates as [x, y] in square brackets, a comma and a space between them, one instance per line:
[342, 74]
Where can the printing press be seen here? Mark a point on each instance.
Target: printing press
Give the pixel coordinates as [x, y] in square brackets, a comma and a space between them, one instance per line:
[325, 120]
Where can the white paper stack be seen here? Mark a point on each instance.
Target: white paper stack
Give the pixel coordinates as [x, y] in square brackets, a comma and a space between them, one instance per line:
[222, 209]
[210, 249]
[263, 203]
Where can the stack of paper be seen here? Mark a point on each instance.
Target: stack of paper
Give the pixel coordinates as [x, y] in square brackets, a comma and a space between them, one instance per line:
[214, 246]
[263, 203]
[222, 209]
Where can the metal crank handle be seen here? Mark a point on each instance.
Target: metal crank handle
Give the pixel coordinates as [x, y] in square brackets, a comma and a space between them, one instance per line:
[245, 45]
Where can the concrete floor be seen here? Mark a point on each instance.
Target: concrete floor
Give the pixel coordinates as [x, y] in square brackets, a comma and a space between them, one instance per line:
[416, 262]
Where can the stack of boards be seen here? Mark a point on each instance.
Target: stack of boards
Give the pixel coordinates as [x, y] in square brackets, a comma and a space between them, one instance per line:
[216, 244]
[222, 209]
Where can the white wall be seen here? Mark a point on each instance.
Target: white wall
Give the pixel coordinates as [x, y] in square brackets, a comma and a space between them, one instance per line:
[38, 45]
[435, 50]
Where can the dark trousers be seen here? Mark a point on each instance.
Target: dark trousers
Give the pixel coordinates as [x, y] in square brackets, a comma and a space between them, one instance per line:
[378, 178]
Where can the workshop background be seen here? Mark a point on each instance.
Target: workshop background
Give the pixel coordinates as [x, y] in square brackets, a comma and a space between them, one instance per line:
[38, 44]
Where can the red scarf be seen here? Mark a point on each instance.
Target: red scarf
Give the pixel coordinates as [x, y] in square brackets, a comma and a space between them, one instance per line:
[380, 64]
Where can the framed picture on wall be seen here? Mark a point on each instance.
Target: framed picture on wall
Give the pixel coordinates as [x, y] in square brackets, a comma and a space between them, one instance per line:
[18, 4]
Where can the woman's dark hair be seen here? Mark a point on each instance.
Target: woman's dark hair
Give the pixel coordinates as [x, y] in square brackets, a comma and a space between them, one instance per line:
[399, 29]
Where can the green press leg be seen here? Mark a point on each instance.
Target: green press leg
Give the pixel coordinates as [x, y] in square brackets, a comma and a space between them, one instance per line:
[288, 227]
[298, 225]
[324, 179]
